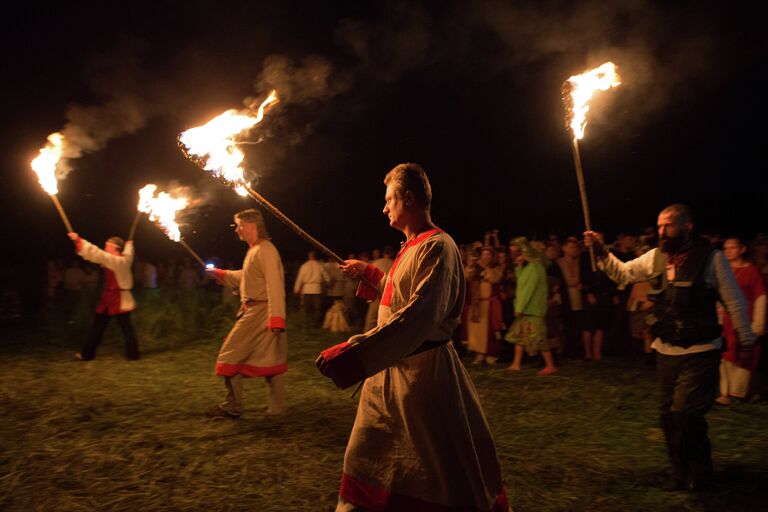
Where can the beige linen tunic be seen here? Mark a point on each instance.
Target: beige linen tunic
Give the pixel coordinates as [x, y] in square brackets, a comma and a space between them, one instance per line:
[251, 348]
[420, 438]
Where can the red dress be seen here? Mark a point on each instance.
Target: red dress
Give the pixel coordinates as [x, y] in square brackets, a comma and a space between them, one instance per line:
[751, 284]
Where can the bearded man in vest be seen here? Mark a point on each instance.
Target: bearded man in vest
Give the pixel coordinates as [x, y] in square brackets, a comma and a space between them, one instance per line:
[688, 277]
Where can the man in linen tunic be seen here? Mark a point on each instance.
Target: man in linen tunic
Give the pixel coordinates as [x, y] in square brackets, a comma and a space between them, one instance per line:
[420, 439]
[257, 344]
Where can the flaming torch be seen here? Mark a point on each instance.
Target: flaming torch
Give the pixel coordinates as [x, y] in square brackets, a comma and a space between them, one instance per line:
[214, 147]
[161, 209]
[577, 92]
[44, 166]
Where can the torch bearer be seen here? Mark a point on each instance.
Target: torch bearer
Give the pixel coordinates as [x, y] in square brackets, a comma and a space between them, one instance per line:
[161, 209]
[577, 92]
[44, 166]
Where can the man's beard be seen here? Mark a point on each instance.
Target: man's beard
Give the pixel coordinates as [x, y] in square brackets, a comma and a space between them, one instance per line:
[672, 245]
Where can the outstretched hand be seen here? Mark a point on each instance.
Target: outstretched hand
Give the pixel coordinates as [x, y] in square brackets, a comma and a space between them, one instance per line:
[217, 273]
[73, 236]
[353, 268]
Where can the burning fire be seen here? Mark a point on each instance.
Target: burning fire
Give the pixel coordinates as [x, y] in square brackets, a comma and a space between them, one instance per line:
[215, 143]
[580, 90]
[44, 164]
[162, 209]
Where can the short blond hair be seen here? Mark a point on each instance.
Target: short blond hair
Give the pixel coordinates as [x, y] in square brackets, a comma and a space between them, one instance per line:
[411, 178]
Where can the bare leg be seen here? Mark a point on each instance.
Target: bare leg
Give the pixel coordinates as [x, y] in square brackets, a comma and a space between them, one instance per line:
[548, 361]
[597, 345]
[515, 366]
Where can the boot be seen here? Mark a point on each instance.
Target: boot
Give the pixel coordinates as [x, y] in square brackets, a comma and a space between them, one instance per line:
[276, 395]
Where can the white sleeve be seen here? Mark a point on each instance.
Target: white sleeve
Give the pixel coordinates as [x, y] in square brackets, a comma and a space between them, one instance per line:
[633, 271]
[90, 252]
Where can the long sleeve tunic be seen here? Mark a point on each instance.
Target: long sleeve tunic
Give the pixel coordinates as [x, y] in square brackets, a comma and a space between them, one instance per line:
[251, 348]
[116, 297]
[420, 438]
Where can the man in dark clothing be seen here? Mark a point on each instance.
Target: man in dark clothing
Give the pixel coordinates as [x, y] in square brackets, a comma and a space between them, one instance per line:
[687, 277]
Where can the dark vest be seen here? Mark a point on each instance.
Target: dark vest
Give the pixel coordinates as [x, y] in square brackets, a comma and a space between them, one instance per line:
[685, 308]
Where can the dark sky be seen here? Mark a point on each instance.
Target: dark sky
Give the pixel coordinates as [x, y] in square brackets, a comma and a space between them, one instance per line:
[471, 90]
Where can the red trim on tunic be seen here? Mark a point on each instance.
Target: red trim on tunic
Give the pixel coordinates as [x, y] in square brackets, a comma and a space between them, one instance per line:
[228, 370]
[276, 322]
[381, 500]
[364, 291]
[78, 244]
[386, 297]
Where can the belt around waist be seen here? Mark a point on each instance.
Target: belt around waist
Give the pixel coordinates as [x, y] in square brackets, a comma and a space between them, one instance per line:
[251, 303]
[428, 345]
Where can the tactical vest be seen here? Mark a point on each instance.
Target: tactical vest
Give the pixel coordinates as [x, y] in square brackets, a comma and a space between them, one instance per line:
[685, 308]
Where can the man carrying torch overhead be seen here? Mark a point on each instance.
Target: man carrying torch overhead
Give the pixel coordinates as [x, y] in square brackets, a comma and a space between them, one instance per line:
[116, 298]
[420, 439]
[257, 344]
[687, 277]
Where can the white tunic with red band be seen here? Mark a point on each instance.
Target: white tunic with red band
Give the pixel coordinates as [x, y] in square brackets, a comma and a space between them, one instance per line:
[116, 297]
[251, 348]
[420, 439]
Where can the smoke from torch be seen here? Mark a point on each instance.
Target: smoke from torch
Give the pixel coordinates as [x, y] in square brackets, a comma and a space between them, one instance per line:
[578, 91]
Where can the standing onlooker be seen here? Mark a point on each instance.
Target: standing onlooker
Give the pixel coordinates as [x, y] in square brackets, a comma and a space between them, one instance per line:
[735, 374]
[74, 277]
[600, 295]
[149, 278]
[625, 249]
[55, 277]
[485, 309]
[189, 275]
[529, 332]
[568, 270]
[309, 286]
[640, 317]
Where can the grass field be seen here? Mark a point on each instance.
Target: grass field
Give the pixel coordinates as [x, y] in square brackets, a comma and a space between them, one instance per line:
[117, 435]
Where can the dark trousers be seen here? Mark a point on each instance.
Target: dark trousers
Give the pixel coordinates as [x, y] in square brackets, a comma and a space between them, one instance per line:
[313, 307]
[100, 323]
[688, 386]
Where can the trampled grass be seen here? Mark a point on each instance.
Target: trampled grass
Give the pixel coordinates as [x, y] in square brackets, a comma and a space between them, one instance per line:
[117, 435]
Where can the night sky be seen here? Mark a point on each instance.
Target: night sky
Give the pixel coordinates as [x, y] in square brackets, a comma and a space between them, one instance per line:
[470, 90]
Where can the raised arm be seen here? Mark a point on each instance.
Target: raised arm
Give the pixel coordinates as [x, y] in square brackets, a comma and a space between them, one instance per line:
[94, 254]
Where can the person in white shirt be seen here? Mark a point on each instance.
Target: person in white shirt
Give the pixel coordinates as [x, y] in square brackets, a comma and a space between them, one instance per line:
[309, 287]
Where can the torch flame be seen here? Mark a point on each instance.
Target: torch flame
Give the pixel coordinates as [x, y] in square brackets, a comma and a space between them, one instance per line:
[162, 209]
[581, 88]
[44, 164]
[215, 143]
